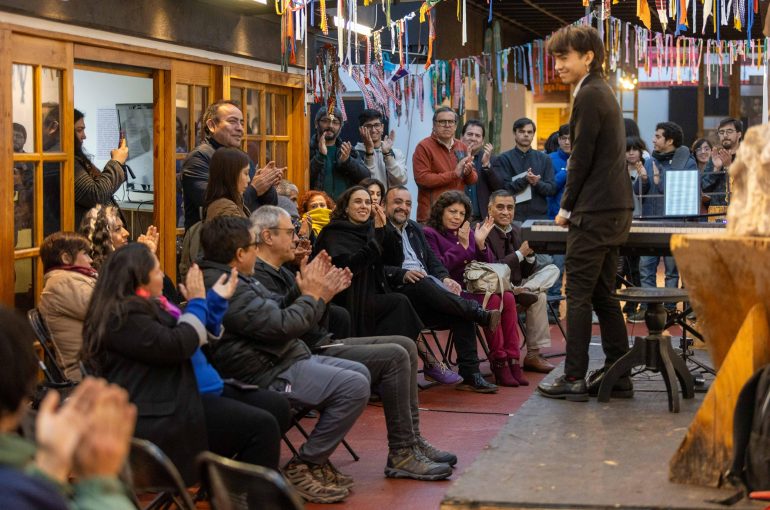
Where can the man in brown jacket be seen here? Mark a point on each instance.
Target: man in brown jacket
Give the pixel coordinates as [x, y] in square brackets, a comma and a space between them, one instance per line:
[441, 163]
[530, 282]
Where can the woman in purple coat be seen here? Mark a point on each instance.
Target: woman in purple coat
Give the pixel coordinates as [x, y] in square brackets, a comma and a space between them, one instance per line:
[454, 242]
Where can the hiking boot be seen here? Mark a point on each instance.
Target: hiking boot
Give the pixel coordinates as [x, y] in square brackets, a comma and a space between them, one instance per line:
[434, 453]
[409, 462]
[440, 373]
[623, 387]
[636, 317]
[300, 475]
[330, 475]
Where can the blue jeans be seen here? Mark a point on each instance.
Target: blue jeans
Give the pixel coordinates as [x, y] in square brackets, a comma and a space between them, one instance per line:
[558, 261]
[648, 269]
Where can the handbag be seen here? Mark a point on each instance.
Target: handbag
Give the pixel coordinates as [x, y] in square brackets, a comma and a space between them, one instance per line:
[487, 278]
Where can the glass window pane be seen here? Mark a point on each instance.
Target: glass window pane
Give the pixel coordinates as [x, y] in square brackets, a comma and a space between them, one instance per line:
[252, 111]
[23, 204]
[23, 108]
[281, 154]
[201, 95]
[236, 94]
[24, 284]
[254, 150]
[182, 118]
[50, 90]
[51, 198]
[269, 110]
[280, 110]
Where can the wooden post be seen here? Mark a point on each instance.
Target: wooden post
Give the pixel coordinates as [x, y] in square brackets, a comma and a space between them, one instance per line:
[728, 279]
[735, 90]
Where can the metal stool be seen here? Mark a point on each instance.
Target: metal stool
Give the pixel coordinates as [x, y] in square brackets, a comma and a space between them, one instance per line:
[654, 351]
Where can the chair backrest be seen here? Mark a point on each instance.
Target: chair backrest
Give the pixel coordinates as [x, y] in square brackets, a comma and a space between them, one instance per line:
[152, 471]
[234, 485]
[53, 370]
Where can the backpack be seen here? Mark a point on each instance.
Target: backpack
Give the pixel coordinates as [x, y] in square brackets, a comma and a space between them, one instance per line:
[487, 278]
[750, 469]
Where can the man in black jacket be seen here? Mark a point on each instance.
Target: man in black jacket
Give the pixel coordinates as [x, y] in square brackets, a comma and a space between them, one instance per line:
[260, 345]
[596, 207]
[391, 360]
[223, 125]
[414, 270]
[526, 172]
[334, 165]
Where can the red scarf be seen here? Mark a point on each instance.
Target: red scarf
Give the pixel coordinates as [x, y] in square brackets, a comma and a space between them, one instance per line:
[164, 303]
[88, 271]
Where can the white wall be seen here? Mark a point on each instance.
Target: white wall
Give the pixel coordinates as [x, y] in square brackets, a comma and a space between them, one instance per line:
[95, 91]
[653, 108]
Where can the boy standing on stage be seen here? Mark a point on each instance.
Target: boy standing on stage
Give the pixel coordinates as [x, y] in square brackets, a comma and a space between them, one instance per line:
[597, 208]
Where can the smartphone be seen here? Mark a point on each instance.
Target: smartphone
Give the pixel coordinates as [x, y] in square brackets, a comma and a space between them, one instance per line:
[122, 137]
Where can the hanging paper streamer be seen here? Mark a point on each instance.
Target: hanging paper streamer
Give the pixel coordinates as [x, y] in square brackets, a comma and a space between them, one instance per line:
[324, 23]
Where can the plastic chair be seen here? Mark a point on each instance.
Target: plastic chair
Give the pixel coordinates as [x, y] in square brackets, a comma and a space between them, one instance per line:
[234, 485]
[151, 471]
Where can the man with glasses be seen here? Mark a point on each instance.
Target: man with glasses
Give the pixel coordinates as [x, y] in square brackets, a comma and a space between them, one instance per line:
[441, 163]
[386, 163]
[714, 182]
[521, 168]
[334, 165]
[473, 138]
[223, 127]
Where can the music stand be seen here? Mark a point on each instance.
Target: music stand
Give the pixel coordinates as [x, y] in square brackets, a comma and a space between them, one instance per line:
[682, 193]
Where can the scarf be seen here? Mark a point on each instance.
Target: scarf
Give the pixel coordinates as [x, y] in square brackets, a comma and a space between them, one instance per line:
[88, 271]
[167, 306]
[320, 218]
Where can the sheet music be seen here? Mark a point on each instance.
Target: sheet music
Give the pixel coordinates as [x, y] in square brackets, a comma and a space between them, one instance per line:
[526, 193]
[682, 192]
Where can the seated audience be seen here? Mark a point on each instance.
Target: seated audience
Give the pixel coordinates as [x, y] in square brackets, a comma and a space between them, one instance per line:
[391, 360]
[355, 238]
[287, 189]
[449, 235]
[376, 190]
[415, 271]
[531, 283]
[261, 346]
[136, 338]
[316, 207]
[228, 179]
[94, 187]
[104, 229]
[86, 437]
[68, 282]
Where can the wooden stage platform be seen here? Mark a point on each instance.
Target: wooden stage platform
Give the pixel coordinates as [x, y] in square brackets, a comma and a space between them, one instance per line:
[558, 454]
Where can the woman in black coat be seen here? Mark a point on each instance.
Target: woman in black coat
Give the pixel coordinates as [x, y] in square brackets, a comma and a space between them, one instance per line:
[355, 238]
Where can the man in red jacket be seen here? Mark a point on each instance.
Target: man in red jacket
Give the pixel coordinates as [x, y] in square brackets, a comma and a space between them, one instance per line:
[441, 163]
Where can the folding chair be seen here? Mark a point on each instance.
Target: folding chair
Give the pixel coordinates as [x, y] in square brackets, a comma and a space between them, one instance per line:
[450, 346]
[151, 471]
[52, 370]
[234, 485]
[297, 415]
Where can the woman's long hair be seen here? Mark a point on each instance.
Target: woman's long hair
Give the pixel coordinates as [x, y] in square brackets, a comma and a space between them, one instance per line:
[80, 155]
[123, 272]
[97, 226]
[224, 174]
[339, 212]
[447, 198]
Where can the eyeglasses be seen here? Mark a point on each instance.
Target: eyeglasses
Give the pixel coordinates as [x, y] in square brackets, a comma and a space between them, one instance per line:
[327, 121]
[703, 149]
[725, 132]
[289, 231]
[376, 125]
[446, 123]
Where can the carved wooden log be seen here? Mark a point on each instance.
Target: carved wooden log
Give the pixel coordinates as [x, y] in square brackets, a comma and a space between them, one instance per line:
[728, 279]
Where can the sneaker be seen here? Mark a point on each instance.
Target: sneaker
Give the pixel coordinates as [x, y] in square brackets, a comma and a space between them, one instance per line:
[300, 476]
[636, 317]
[440, 373]
[330, 475]
[594, 318]
[411, 463]
[434, 453]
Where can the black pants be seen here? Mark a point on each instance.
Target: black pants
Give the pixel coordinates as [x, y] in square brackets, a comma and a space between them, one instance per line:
[247, 424]
[440, 309]
[591, 263]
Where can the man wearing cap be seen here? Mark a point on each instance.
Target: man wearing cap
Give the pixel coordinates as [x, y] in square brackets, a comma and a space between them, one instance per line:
[334, 165]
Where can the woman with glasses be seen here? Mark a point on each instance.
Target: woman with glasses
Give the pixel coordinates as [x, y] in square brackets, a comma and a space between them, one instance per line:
[701, 151]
